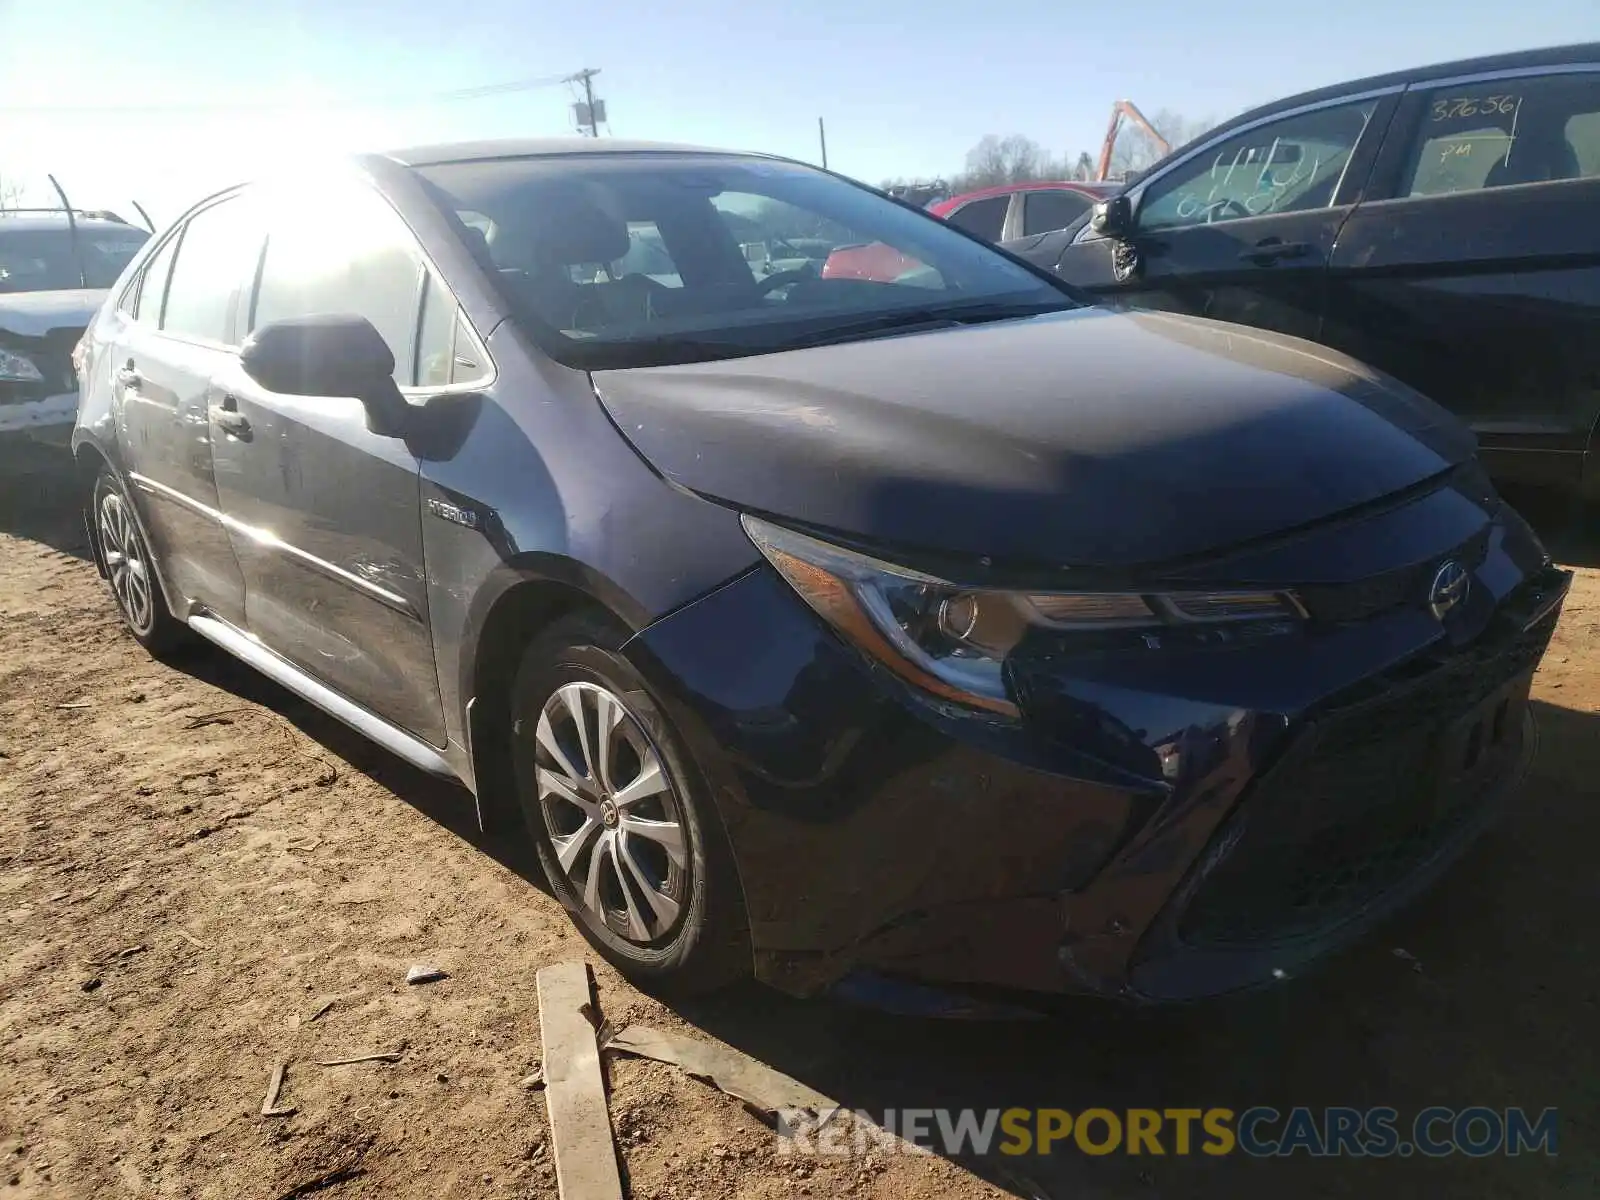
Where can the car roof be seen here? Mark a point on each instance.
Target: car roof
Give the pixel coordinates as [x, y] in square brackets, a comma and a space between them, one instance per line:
[443, 152]
[56, 220]
[1088, 187]
[1549, 56]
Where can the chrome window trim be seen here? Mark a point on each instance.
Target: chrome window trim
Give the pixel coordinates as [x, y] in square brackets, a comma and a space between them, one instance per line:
[1428, 85]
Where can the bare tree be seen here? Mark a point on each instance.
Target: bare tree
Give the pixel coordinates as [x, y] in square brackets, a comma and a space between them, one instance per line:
[1135, 151]
[1009, 159]
[10, 193]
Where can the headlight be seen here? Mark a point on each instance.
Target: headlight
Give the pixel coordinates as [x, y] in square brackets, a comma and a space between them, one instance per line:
[952, 640]
[18, 368]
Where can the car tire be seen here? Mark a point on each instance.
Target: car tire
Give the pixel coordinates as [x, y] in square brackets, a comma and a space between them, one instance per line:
[130, 569]
[624, 825]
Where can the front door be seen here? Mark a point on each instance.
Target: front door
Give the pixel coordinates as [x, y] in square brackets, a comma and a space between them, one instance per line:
[1474, 273]
[1243, 228]
[326, 515]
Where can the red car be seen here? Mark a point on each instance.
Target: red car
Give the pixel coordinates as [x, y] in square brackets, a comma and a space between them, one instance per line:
[1010, 213]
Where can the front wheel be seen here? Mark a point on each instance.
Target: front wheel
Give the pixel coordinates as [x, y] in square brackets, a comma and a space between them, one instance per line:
[130, 568]
[627, 835]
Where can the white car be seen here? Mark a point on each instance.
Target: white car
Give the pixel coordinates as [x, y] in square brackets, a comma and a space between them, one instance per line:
[53, 275]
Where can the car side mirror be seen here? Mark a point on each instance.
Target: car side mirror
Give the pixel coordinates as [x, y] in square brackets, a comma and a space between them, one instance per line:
[329, 355]
[1113, 217]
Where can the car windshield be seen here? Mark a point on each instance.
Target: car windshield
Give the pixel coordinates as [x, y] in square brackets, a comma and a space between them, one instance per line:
[614, 260]
[41, 260]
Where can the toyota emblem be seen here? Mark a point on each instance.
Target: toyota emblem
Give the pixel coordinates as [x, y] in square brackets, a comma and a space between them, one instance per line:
[1450, 586]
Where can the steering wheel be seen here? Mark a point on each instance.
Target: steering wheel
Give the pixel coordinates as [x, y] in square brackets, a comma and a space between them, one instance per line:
[1226, 209]
[780, 279]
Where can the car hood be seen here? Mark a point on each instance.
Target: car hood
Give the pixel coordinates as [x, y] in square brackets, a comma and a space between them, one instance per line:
[1080, 438]
[34, 314]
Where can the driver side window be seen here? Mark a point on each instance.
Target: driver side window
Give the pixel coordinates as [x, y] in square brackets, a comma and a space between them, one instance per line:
[1284, 166]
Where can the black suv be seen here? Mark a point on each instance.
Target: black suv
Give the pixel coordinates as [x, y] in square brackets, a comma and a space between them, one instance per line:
[1437, 223]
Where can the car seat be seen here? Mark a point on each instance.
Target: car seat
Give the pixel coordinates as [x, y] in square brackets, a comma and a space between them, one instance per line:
[1538, 154]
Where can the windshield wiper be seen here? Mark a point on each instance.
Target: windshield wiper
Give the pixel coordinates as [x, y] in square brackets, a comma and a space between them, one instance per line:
[669, 350]
[911, 320]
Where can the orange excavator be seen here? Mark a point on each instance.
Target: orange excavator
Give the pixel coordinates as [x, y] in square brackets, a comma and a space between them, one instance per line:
[1120, 111]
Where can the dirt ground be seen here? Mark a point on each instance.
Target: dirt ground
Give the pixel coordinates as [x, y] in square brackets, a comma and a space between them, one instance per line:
[193, 863]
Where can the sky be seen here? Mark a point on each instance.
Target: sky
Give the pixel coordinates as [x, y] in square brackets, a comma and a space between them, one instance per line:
[164, 103]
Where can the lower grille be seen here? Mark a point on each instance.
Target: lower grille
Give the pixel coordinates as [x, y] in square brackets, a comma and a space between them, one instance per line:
[1370, 791]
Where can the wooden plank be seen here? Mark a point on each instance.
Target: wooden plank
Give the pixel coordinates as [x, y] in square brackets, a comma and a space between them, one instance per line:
[732, 1071]
[575, 1089]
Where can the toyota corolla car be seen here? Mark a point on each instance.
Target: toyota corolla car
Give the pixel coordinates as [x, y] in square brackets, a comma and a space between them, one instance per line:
[956, 630]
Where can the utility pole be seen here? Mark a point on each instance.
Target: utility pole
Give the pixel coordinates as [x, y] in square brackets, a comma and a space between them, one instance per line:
[585, 77]
[822, 137]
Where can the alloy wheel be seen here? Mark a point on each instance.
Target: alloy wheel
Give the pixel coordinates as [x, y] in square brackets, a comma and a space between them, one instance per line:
[127, 562]
[612, 813]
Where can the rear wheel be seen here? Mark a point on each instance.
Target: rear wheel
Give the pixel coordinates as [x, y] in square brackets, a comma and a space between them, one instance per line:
[130, 568]
[620, 815]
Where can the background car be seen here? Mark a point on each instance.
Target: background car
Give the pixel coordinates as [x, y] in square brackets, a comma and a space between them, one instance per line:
[1020, 213]
[1436, 223]
[54, 272]
[948, 627]
[1016, 215]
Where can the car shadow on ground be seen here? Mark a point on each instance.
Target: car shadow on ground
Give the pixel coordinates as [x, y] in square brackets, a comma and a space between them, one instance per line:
[41, 497]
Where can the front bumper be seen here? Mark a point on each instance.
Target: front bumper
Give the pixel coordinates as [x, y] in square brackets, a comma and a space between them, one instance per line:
[876, 830]
[52, 415]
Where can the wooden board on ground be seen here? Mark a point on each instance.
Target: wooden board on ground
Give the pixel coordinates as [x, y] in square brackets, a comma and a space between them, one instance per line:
[575, 1089]
[733, 1071]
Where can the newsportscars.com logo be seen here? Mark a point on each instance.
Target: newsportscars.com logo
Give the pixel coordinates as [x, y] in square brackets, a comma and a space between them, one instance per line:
[1260, 1132]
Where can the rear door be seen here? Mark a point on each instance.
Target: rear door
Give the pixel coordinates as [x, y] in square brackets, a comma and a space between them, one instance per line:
[178, 329]
[1474, 271]
[1242, 227]
[325, 513]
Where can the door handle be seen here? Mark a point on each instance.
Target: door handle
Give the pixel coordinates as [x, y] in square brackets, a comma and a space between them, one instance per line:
[128, 377]
[1266, 253]
[227, 417]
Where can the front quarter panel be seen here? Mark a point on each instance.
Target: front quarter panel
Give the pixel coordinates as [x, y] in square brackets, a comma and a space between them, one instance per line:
[530, 481]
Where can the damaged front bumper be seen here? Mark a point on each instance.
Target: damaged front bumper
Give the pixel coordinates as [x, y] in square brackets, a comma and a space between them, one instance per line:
[52, 416]
[1164, 826]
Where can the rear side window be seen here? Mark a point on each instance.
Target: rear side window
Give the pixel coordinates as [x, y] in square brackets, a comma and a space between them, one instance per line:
[1045, 211]
[152, 289]
[348, 255]
[215, 260]
[982, 218]
[1505, 132]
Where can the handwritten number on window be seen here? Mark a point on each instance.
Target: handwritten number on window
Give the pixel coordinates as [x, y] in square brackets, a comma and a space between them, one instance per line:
[1448, 109]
